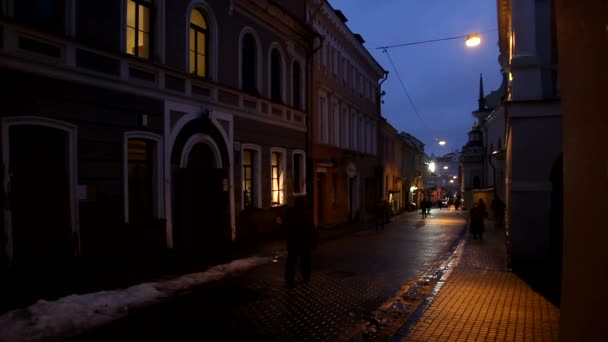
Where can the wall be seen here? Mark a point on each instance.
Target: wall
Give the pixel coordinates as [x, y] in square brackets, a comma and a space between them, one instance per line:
[583, 52]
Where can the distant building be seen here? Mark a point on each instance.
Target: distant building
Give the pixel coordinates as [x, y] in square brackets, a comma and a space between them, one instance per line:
[413, 170]
[345, 121]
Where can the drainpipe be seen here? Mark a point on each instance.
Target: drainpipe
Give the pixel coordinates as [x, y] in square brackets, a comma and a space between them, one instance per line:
[379, 95]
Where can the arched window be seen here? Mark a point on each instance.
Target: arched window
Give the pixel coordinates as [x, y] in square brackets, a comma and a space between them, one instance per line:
[275, 76]
[198, 44]
[296, 87]
[249, 64]
[139, 28]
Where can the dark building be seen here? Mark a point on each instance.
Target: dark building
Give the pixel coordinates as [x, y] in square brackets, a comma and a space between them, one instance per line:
[142, 125]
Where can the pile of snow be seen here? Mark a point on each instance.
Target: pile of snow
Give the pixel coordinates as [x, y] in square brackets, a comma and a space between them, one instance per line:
[76, 313]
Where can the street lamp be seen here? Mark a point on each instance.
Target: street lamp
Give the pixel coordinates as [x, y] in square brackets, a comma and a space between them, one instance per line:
[472, 40]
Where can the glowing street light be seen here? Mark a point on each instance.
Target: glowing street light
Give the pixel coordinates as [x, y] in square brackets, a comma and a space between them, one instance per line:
[432, 166]
[473, 40]
[445, 167]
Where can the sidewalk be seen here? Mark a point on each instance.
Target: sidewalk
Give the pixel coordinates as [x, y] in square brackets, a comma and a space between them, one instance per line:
[481, 300]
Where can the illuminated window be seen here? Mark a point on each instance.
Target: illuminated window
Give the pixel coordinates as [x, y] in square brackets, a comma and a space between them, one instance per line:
[139, 27]
[140, 180]
[249, 64]
[277, 178]
[198, 44]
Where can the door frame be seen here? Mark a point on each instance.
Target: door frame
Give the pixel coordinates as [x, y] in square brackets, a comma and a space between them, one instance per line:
[72, 133]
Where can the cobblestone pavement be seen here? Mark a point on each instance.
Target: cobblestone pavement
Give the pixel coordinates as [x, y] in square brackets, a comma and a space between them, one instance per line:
[352, 277]
[482, 301]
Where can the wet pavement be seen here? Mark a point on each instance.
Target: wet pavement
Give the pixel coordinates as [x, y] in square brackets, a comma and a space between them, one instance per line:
[353, 276]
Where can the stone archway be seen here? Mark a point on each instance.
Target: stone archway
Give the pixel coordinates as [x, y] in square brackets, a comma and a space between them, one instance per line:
[201, 200]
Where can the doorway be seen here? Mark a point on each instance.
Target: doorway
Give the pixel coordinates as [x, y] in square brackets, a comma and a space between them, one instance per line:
[202, 204]
[39, 194]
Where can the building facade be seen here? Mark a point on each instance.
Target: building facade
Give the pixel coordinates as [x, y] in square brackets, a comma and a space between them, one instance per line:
[533, 136]
[414, 170]
[144, 125]
[345, 120]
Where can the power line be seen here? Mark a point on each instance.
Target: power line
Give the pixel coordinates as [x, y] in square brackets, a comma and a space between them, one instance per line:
[434, 40]
[407, 94]
[418, 42]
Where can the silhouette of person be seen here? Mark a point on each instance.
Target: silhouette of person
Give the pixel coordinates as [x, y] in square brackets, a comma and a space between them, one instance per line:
[476, 222]
[301, 240]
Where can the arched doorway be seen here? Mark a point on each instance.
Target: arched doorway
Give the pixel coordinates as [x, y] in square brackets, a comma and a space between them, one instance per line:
[202, 205]
[39, 194]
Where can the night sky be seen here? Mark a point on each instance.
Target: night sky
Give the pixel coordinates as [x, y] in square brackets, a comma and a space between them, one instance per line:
[442, 78]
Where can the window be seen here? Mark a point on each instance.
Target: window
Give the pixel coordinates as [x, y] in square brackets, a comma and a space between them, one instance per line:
[335, 124]
[276, 66]
[198, 44]
[345, 127]
[140, 180]
[323, 121]
[44, 14]
[248, 179]
[299, 173]
[139, 27]
[297, 85]
[251, 176]
[249, 64]
[277, 167]
[355, 132]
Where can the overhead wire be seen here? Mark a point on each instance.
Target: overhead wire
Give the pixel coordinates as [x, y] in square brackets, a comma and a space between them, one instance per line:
[407, 94]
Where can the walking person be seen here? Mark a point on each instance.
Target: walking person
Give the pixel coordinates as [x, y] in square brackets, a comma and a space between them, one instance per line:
[423, 208]
[302, 239]
[476, 226]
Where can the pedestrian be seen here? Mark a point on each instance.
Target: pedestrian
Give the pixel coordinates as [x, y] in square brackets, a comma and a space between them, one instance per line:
[380, 212]
[423, 208]
[302, 239]
[476, 226]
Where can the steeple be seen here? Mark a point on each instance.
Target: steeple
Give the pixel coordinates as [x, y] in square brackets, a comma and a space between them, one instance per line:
[482, 99]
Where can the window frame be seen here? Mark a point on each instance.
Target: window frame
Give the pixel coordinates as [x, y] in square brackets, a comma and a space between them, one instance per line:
[257, 176]
[205, 33]
[282, 77]
[281, 176]
[150, 4]
[257, 67]
[157, 172]
[323, 127]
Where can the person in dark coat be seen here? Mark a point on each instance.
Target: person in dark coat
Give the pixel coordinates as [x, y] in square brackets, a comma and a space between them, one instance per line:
[476, 222]
[302, 239]
[424, 208]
